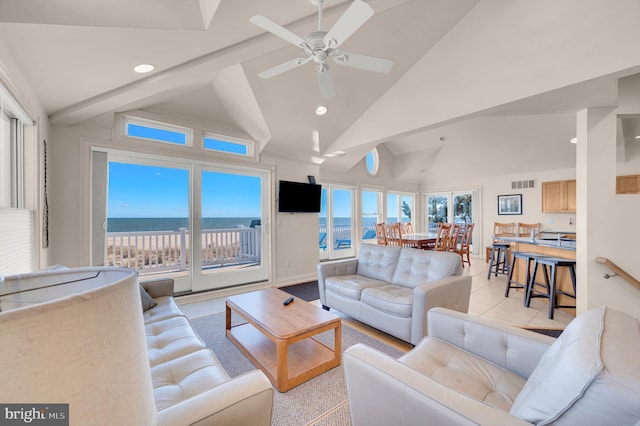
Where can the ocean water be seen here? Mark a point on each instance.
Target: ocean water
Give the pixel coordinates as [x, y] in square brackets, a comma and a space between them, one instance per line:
[367, 221]
[174, 223]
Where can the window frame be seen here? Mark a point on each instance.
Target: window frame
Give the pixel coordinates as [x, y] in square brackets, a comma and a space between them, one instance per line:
[376, 162]
[12, 149]
[248, 144]
[155, 124]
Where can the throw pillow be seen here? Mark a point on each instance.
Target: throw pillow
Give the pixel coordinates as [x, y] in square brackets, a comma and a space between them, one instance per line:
[564, 372]
[147, 301]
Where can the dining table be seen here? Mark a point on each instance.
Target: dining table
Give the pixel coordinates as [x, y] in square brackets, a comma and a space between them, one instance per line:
[421, 240]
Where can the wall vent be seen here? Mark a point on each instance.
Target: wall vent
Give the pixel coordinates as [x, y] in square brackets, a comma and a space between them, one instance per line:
[523, 184]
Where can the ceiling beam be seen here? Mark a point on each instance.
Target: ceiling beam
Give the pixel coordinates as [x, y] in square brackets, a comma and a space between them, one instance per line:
[198, 70]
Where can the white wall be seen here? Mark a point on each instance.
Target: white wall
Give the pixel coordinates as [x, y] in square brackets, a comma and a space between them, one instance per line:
[358, 176]
[70, 197]
[608, 219]
[296, 251]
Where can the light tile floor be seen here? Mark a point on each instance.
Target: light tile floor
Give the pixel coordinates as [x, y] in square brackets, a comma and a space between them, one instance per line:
[487, 301]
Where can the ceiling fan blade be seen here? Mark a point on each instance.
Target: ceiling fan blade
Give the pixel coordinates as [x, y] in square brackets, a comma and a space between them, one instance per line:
[327, 88]
[275, 29]
[286, 66]
[356, 15]
[369, 63]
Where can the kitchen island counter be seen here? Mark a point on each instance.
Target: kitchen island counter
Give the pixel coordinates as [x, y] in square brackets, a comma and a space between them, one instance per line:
[564, 248]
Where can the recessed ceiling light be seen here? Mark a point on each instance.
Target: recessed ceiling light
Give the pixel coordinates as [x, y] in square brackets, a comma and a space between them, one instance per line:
[321, 110]
[143, 68]
[574, 140]
[637, 137]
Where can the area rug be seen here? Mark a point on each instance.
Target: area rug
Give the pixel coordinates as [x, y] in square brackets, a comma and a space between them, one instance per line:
[305, 291]
[320, 401]
[553, 332]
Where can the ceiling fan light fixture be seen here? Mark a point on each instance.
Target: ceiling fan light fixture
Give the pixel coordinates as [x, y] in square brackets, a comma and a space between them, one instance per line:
[143, 68]
[321, 110]
[320, 46]
[574, 140]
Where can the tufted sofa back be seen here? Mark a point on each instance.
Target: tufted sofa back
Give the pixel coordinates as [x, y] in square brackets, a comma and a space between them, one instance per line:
[406, 266]
[378, 262]
[416, 267]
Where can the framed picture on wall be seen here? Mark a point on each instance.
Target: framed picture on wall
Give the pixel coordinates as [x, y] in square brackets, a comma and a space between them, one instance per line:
[510, 204]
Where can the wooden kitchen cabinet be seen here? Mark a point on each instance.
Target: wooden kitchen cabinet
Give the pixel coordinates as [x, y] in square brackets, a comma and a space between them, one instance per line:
[559, 196]
[628, 184]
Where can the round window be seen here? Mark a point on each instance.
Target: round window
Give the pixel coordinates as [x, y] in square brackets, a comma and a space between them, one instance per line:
[371, 162]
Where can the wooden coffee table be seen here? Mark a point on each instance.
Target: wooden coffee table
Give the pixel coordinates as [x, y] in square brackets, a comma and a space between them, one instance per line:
[279, 339]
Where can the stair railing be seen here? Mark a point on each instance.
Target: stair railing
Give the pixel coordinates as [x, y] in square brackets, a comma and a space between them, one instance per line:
[618, 271]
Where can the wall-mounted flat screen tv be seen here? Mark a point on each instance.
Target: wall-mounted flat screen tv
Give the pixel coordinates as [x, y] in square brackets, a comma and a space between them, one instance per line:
[296, 197]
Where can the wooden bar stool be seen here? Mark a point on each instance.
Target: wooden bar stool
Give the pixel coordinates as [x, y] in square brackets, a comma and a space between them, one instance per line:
[512, 283]
[499, 263]
[553, 263]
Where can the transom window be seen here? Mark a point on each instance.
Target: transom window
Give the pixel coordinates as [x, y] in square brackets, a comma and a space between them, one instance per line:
[228, 145]
[156, 131]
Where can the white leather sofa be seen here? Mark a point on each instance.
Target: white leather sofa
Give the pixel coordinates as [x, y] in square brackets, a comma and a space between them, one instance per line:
[472, 371]
[392, 288]
[80, 337]
[189, 384]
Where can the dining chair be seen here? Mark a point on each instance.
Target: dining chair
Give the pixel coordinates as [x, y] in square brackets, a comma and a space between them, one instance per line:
[500, 229]
[408, 228]
[454, 236]
[381, 233]
[442, 236]
[503, 230]
[465, 244]
[524, 229]
[394, 234]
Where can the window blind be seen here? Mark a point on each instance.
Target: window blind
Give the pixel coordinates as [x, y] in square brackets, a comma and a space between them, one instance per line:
[16, 241]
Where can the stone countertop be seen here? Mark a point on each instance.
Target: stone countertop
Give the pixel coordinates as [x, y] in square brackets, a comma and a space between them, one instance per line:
[563, 243]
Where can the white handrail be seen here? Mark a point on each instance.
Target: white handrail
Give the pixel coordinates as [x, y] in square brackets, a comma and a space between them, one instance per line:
[618, 271]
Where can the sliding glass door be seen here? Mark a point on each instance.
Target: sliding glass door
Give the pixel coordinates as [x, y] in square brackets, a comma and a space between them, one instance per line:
[371, 212]
[337, 222]
[148, 220]
[231, 232]
[201, 224]
[399, 207]
[453, 207]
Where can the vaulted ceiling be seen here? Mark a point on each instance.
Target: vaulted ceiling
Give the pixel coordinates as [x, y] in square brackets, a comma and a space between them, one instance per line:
[473, 80]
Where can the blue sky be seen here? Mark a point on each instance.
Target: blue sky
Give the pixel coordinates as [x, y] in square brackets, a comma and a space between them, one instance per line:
[140, 191]
[150, 191]
[341, 203]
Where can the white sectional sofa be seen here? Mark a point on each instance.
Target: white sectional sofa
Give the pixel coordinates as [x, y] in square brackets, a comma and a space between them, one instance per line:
[392, 288]
[473, 371]
[79, 336]
[189, 384]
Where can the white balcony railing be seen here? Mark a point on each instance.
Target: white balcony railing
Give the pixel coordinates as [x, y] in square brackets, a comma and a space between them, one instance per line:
[160, 251]
[168, 251]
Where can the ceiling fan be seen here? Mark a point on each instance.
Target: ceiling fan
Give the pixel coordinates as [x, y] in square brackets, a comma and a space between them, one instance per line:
[321, 45]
